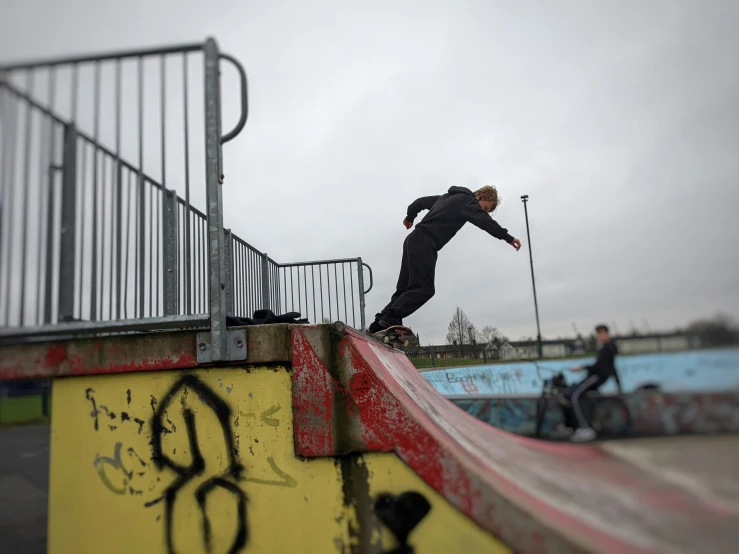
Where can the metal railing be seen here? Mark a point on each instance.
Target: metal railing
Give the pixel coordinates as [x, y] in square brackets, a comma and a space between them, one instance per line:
[322, 291]
[111, 221]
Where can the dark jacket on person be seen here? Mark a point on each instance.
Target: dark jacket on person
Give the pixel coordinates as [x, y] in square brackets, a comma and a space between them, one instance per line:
[449, 212]
[605, 365]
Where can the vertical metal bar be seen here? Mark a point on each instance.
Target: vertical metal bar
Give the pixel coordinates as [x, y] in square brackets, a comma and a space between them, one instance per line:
[24, 205]
[111, 236]
[343, 280]
[336, 287]
[199, 254]
[328, 292]
[360, 286]
[141, 197]
[119, 188]
[229, 277]
[51, 229]
[313, 285]
[265, 283]
[82, 224]
[238, 278]
[151, 248]
[351, 280]
[69, 205]
[74, 99]
[186, 133]
[6, 207]
[320, 287]
[103, 219]
[43, 211]
[127, 245]
[216, 257]
[170, 275]
[158, 256]
[118, 237]
[96, 135]
[284, 283]
[305, 287]
[163, 108]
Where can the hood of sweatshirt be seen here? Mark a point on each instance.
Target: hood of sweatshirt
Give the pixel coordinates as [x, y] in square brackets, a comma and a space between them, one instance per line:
[460, 190]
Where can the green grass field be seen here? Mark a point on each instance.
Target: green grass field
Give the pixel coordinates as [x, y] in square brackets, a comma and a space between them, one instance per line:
[21, 409]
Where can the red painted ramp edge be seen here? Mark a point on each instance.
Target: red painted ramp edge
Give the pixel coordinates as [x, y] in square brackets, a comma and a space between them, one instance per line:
[352, 394]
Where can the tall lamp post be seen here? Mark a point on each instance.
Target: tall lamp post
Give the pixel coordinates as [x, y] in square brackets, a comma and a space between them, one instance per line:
[525, 199]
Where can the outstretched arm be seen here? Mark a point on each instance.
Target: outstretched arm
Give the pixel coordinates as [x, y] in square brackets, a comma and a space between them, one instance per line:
[423, 203]
[480, 218]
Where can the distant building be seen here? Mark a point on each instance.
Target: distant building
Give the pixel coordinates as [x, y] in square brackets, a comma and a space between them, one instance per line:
[561, 348]
[653, 343]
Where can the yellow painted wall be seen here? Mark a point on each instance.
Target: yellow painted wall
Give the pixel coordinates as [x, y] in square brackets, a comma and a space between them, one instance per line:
[102, 475]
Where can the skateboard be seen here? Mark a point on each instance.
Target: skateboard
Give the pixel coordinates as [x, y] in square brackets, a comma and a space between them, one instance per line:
[396, 336]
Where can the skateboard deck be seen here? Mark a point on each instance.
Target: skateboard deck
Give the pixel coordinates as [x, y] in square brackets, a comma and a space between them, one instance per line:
[396, 336]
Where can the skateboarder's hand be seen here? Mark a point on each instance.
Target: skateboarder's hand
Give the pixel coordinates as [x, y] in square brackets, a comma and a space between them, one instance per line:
[407, 223]
[515, 243]
[576, 369]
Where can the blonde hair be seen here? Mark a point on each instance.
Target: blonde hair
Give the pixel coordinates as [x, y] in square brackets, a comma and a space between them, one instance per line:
[489, 193]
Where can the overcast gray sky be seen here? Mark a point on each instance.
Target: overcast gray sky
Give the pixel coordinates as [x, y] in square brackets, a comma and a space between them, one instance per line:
[619, 119]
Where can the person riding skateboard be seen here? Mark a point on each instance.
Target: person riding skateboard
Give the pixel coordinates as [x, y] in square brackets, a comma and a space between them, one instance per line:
[447, 214]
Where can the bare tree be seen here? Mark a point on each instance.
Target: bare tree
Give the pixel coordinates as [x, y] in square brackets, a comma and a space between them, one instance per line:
[491, 335]
[458, 330]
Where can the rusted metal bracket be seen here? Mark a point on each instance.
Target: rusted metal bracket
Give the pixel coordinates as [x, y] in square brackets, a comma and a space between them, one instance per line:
[235, 349]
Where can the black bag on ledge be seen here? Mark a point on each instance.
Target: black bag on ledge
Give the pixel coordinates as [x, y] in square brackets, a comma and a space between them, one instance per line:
[264, 317]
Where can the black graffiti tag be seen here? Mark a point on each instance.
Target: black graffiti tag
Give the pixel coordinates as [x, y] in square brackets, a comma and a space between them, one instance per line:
[227, 481]
[401, 514]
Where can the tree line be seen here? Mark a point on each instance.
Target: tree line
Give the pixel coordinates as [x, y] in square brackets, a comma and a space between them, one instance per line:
[462, 331]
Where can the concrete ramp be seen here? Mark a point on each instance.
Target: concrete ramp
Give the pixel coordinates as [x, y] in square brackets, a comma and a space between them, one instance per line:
[535, 496]
[323, 441]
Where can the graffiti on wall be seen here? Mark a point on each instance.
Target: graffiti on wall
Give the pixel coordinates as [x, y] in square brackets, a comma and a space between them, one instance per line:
[401, 515]
[227, 480]
[124, 471]
[642, 413]
[195, 437]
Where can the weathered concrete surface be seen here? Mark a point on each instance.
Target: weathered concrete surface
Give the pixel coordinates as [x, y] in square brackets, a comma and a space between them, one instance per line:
[536, 496]
[130, 353]
[707, 466]
[136, 456]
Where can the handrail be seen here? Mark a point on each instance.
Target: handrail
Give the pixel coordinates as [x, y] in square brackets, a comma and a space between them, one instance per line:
[319, 262]
[372, 282]
[244, 99]
[139, 53]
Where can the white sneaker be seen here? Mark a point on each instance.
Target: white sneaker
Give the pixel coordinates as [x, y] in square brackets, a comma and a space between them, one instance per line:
[583, 434]
[562, 432]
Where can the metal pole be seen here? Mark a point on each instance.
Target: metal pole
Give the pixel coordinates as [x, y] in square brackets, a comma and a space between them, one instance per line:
[360, 285]
[68, 225]
[216, 237]
[265, 283]
[525, 199]
[170, 277]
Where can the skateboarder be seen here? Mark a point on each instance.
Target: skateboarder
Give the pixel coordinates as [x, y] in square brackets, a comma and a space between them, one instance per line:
[447, 214]
[603, 369]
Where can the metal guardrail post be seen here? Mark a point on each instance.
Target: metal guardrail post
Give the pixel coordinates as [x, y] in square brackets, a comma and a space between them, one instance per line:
[228, 254]
[69, 206]
[265, 282]
[360, 283]
[170, 278]
[213, 179]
